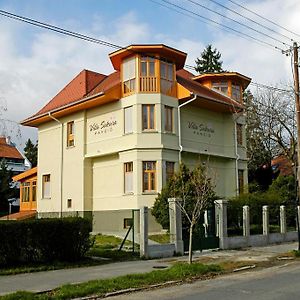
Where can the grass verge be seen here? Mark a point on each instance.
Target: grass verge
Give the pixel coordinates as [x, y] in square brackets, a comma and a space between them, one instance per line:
[160, 238]
[178, 272]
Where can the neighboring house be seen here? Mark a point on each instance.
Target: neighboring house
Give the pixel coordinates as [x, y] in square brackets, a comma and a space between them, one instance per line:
[15, 161]
[282, 166]
[108, 143]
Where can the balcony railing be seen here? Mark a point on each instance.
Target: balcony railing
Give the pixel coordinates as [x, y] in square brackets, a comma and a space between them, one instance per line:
[148, 84]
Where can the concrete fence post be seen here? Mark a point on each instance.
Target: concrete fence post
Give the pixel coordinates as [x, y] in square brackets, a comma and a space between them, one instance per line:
[221, 222]
[282, 219]
[144, 232]
[298, 212]
[176, 224]
[246, 221]
[265, 211]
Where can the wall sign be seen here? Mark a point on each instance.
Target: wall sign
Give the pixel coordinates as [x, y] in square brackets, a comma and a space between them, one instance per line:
[201, 129]
[103, 127]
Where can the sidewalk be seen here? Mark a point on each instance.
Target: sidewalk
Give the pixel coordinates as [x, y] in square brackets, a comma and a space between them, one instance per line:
[43, 281]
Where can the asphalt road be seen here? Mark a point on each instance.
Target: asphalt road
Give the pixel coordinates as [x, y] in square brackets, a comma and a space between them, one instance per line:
[276, 283]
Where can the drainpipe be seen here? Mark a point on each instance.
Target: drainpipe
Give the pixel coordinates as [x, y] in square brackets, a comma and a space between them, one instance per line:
[237, 157]
[179, 123]
[61, 161]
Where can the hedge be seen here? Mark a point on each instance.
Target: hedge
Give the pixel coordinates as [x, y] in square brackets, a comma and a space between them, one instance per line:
[44, 240]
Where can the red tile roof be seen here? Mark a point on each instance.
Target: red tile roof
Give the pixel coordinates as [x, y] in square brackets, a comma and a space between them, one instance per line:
[185, 79]
[8, 151]
[79, 87]
[88, 83]
[283, 165]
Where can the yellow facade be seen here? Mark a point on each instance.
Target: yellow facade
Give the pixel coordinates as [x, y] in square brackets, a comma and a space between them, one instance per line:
[89, 176]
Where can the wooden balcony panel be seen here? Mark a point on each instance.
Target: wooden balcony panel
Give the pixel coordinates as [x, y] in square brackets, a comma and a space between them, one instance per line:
[148, 84]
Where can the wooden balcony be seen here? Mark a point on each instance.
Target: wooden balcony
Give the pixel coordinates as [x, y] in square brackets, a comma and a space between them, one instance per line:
[148, 84]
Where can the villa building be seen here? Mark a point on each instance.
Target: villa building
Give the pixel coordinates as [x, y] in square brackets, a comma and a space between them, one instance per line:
[109, 143]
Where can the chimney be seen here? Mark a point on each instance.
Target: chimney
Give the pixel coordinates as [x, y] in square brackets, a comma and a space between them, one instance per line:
[8, 140]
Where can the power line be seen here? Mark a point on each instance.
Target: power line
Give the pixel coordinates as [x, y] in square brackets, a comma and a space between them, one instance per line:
[237, 22]
[225, 26]
[58, 29]
[262, 17]
[197, 19]
[251, 20]
[273, 88]
[94, 40]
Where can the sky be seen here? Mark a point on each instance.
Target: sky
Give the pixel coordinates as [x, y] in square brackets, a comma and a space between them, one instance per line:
[36, 64]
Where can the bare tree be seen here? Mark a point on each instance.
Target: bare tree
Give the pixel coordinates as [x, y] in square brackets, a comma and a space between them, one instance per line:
[194, 204]
[271, 123]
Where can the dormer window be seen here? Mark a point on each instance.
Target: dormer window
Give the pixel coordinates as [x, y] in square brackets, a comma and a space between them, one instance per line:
[166, 77]
[235, 92]
[221, 86]
[129, 75]
[148, 78]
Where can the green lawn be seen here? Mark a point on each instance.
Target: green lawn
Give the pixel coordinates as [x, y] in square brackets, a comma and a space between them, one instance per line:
[160, 238]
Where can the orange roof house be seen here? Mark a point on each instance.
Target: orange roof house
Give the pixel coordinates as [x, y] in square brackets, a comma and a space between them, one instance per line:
[109, 142]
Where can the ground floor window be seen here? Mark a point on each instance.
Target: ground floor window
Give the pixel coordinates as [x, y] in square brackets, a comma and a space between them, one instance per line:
[25, 192]
[46, 193]
[170, 169]
[241, 181]
[128, 177]
[149, 176]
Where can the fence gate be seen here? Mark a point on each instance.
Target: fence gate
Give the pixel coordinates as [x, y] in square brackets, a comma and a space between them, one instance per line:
[204, 235]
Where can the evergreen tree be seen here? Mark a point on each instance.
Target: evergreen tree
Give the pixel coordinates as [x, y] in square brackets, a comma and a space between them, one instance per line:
[209, 62]
[30, 152]
[6, 191]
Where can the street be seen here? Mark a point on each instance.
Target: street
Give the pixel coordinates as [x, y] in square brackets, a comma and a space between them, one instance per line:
[280, 282]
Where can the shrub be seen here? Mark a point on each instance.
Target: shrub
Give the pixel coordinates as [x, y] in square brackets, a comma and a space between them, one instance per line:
[44, 240]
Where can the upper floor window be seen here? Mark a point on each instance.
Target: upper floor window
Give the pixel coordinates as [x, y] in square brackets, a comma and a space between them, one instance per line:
[129, 75]
[149, 176]
[235, 92]
[46, 191]
[221, 86]
[148, 117]
[128, 120]
[168, 118]
[239, 134]
[70, 134]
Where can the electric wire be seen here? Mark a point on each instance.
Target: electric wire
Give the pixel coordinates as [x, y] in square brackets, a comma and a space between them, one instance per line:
[225, 26]
[249, 19]
[237, 22]
[200, 20]
[264, 18]
[94, 40]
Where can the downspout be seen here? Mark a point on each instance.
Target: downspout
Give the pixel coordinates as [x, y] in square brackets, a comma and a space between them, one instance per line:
[61, 161]
[179, 123]
[237, 157]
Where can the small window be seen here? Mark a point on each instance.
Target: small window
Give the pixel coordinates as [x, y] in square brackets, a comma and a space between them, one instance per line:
[46, 186]
[148, 117]
[128, 177]
[128, 120]
[25, 192]
[168, 119]
[239, 134]
[170, 169]
[127, 223]
[149, 176]
[69, 203]
[241, 181]
[70, 134]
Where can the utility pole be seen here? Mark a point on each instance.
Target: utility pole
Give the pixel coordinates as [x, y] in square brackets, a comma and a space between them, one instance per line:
[297, 100]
